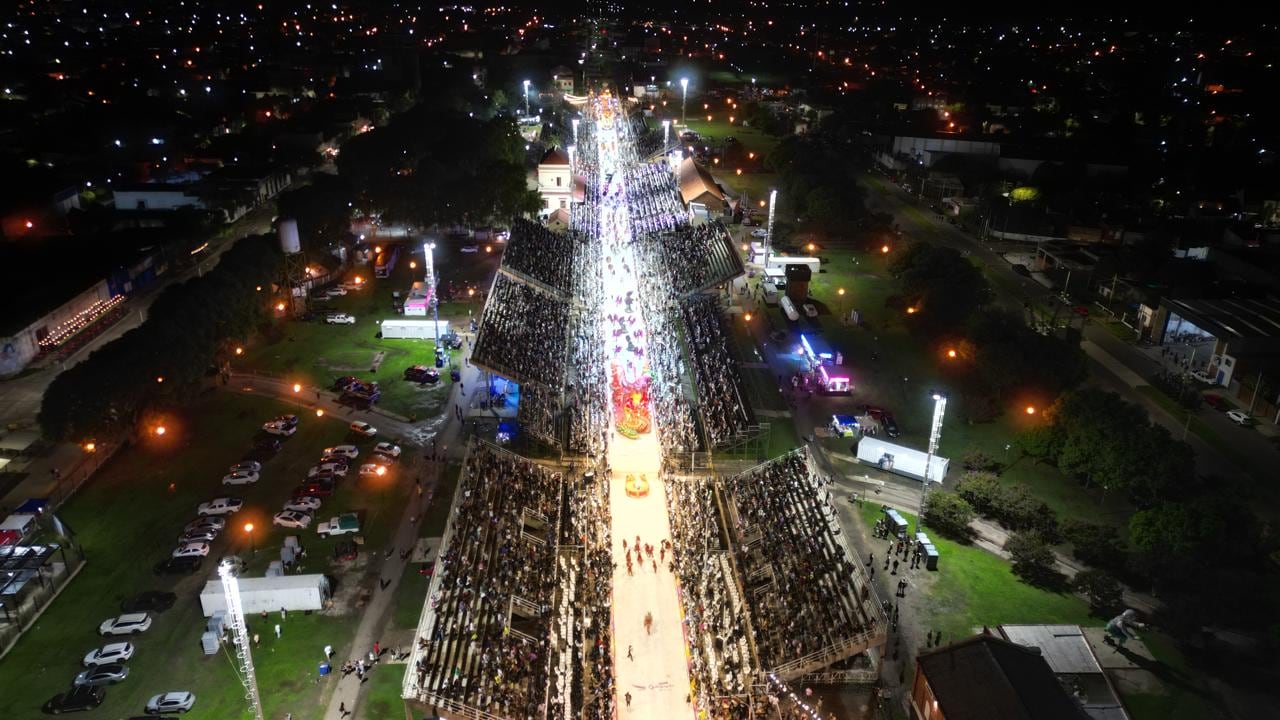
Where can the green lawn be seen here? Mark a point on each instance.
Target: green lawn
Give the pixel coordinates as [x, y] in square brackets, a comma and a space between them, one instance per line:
[1183, 696]
[412, 590]
[314, 353]
[126, 520]
[974, 588]
[382, 694]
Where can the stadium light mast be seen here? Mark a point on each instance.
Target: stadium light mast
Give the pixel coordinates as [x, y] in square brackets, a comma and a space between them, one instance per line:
[240, 634]
[526, 97]
[666, 133]
[429, 264]
[935, 432]
[684, 95]
[768, 233]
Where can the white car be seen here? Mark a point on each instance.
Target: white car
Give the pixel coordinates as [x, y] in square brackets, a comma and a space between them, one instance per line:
[110, 653]
[341, 319]
[291, 519]
[127, 624]
[363, 428]
[339, 469]
[220, 506]
[247, 466]
[470, 249]
[1240, 417]
[195, 549]
[240, 478]
[1204, 377]
[391, 450]
[171, 702]
[372, 469]
[350, 452]
[759, 233]
[275, 427]
[810, 310]
[336, 291]
[304, 504]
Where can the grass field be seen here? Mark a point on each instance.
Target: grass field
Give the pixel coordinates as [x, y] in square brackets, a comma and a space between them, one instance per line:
[126, 520]
[314, 353]
[382, 700]
[974, 588]
[412, 591]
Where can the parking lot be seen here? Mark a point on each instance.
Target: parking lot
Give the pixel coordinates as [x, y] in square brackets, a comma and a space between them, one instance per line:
[128, 520]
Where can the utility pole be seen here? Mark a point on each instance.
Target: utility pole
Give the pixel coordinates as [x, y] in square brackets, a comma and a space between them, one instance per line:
[935, 432]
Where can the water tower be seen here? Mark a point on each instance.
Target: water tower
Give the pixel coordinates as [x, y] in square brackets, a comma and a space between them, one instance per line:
[293, 280]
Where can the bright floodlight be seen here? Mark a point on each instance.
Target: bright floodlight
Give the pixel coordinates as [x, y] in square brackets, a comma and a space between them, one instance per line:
[684, 84]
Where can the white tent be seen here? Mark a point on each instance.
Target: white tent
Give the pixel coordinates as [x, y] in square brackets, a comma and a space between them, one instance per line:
[290, 592]
[901, 459]
[413, 329]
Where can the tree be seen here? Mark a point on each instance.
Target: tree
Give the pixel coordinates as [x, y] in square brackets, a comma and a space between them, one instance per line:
[949, 514]
[1171, 537]
[982, 490]
[1094, 544]
[944, 286]
[1101, 589]
[1033, 559]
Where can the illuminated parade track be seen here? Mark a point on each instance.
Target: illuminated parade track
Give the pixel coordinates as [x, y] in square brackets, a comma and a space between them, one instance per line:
[610, 585]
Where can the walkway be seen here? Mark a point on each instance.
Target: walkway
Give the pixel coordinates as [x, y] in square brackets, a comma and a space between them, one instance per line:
[650, 664]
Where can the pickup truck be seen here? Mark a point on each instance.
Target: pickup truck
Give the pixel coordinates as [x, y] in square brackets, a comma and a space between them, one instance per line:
[339, 525]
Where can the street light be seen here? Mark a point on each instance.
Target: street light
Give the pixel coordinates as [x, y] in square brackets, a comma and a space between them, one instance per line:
[526, 97]
[840, 292]
[747, 317]
[684, 95]
[248, 529]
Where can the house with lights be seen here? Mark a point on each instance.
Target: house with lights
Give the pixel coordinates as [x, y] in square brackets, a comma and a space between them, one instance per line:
[556, 183]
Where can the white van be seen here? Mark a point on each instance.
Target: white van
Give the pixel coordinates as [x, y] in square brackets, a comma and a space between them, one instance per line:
[770, 293]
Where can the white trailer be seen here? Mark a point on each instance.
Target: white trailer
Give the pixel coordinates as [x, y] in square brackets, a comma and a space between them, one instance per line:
[413, 329]
[901, 459]
[290, 592]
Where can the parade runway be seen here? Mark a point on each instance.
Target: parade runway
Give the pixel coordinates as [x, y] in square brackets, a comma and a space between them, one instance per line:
[650, 663]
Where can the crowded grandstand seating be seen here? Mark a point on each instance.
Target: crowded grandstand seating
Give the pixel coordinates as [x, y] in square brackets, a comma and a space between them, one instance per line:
[719, 648]
[485, 642]
[522, 333]
[720, 393]
[696, 257]
[801, 587]
[544, 255]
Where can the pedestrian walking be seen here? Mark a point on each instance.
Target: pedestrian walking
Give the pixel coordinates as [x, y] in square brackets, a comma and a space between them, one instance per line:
[342, 709]
[629, 655]
[895, 567]
[277, 631]
[627, 697]
[377, 649]
[256, 639]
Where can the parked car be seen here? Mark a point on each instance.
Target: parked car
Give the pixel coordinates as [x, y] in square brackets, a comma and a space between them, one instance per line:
[373, 469]
[1216, 402]
[340, 525]
[110, 653]
[127, 624]
[291, 519]
[1204, 377]
[149, 601]
[344, 382]
[876, 413]
[240, 478]
[195, 549]
[75, 700]
[469, 249]
[246, 466]
[304, 504]
[197, 536]
[759, 233]
[810, 310]
[178, 566]
[391, 450]
[178, 702]
[336, 291]
[108, 674]
[313, 488]
[422, 374]
[210, 522]
[267, 444]
[451, 340]
[351, 452]
[1240, 417]
[1021, 269]
[332, 468]
[890, 425]
[340, 319]
[278, 428]
[220, 506]
[341, 461]
[363, 429]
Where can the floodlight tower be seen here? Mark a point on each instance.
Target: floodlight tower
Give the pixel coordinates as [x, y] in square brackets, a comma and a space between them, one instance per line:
[526, 97]
[429, 265]
[666, 133]
[240, 633]
[768, 233]
[684, 95]
[935, 432]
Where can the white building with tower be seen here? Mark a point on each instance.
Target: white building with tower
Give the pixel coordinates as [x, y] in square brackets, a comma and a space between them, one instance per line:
[556, 183]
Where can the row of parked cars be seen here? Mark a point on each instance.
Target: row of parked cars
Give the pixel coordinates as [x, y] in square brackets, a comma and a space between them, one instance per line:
[321, 481]
[108, 665]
